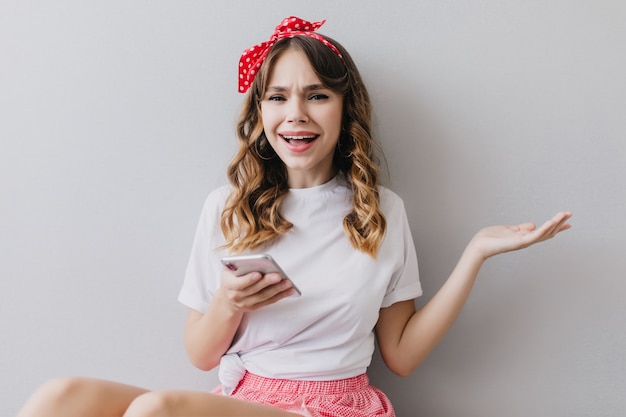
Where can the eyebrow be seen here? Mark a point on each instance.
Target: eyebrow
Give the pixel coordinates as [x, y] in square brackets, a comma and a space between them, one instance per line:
[312, 87]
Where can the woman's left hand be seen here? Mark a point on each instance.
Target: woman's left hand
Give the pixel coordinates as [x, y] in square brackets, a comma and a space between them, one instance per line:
[494, 240]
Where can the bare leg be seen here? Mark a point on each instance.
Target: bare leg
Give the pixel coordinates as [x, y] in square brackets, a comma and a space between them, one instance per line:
[80, 397]
[198, 404]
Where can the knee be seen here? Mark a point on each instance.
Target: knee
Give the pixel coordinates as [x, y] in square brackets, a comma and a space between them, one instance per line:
[154, 404]
[53, 394]
[64, 387]
[60, 389]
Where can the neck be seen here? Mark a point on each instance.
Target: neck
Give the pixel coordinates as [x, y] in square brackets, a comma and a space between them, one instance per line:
[305, 180]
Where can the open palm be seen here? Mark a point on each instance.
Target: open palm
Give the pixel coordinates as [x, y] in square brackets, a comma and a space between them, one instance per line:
[493, 240]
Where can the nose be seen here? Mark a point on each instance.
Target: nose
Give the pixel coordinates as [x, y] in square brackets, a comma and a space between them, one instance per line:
[296, 111]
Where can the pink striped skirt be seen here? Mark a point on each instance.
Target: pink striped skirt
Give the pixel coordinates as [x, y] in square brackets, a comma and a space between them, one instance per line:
[351, 397]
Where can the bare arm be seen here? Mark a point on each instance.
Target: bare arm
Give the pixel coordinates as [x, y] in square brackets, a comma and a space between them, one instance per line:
[407, 336]
[208, 336]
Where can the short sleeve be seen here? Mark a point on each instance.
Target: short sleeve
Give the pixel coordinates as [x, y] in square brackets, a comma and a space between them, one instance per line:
[203, 273]
[404, 283]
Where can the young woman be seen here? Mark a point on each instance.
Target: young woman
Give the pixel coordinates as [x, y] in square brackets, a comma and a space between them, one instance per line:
[304, 188]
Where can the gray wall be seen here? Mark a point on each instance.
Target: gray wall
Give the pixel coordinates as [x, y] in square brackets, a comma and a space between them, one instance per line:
[117, 119]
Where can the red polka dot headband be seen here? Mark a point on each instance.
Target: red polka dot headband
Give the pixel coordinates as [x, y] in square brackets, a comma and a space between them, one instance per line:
[252, 58]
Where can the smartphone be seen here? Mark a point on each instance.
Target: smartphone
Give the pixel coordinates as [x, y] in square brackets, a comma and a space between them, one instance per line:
[263, 263]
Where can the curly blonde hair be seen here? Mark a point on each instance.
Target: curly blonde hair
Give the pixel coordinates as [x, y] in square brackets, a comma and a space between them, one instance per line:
[251, 217]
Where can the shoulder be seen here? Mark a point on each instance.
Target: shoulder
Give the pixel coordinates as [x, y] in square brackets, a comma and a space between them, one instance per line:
[388, 194]
[216, 199]
[390, 202]
[219, 194]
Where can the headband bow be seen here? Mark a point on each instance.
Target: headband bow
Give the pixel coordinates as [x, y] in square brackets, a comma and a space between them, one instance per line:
[252, 58]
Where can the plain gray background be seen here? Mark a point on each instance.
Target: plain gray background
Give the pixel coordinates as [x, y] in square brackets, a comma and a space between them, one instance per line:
[117, 119]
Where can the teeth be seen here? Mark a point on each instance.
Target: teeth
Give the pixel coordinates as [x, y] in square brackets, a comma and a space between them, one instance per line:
[299, 137]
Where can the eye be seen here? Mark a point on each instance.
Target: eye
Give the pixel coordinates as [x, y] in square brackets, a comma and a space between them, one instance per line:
[318, 96]
[276, 97]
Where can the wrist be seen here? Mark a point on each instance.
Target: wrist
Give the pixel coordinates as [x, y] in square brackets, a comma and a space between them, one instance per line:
[475, 253]
[228, 309]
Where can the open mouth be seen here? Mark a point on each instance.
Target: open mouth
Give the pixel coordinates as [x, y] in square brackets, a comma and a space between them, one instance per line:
[299, 139]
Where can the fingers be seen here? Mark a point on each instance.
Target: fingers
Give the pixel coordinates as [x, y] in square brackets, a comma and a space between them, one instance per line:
[553, 226]
[254, 290]
[255, 282]
[267, 288]
[528, 227]
[559, 223]
[284, 289]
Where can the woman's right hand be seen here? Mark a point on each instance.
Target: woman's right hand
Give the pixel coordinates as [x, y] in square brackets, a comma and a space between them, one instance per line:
[252, 291]
[209, 335]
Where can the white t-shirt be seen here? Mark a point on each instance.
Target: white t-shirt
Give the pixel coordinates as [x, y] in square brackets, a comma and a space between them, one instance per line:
[327, 333]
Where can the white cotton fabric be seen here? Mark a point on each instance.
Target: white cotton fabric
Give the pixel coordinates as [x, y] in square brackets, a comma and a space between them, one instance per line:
[327, 333]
